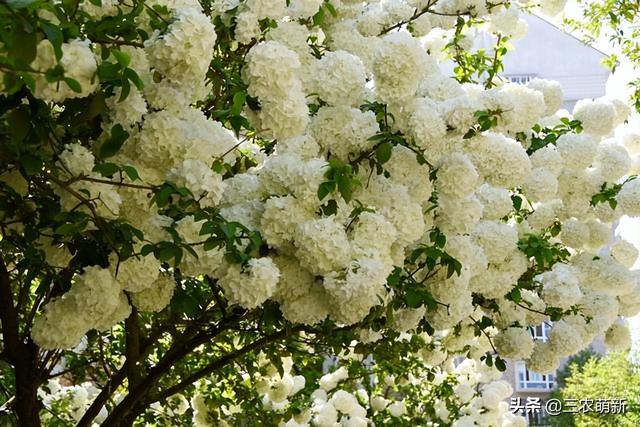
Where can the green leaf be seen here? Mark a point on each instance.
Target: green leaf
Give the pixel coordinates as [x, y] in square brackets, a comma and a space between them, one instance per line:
[325, 189]
[515, 295]
[19, 122]
[96, 106]
[122, 57]
[517, 201]
[167, 251]
[162, 197]
[32, 164]
[125, 89]
[228, 229]
[106, 169]
[331, 9]
[24, 45]
[108, 71]
[55, 37]
[489, 360]
[112, 145]
[131, 172]
[238, 102]
[68, 229]
[344, 186]
[184, 303]
[130, 74]
[383, 152]
[73, 84]
[20, 4]
[329, 208]
[318, 18]
[500, 364]
[147, 249]
[413, 297]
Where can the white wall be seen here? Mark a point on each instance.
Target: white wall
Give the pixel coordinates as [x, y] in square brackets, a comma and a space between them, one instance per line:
[550, 53]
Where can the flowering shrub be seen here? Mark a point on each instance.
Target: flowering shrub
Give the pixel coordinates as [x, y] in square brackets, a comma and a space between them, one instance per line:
[286, 213]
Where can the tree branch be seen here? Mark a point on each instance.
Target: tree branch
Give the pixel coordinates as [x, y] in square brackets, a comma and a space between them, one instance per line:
[178, 350]
[108, 181]
[21, 355]
[222, 361]
[132, 338]
[8, 316]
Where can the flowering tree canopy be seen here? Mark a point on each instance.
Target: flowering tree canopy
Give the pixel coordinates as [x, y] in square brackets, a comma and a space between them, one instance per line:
[289, 213]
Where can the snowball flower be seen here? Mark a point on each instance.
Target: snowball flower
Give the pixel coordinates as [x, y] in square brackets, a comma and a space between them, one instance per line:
[397, 408]
[597, 116]
[77, 159]
[618, 336]
[252, 285]
[629, 197]
[340, 78]
[79, 63]
[624, 252]
[514, 343]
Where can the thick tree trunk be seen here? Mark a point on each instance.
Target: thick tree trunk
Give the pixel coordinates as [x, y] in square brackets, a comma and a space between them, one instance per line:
[21, 355]
[27, 405]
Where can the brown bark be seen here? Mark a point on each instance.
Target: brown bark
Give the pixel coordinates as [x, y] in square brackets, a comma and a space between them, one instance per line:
[22, 355]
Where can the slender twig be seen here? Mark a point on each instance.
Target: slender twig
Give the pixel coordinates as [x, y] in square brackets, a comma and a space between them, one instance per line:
[530, 309]
[108, 181]
[117, 42]
[494, 65]
[222, 361]
[484, 333]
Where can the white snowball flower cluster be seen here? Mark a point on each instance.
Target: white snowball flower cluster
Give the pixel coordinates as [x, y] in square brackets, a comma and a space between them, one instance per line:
[598, 116]
[496, 201]
[190, 32]
[551, 91]
[204, 183]
[95, 301]
[168, 138]
[323, 245]
[624, 252]
[508, 22]
[498, 240]
[277, 387]
[75, 398]
[79, 63]
[561, 286]
[155, 297]
[552, 7]
[426, 126]
[629, 197]
[271, 73]
[612, 160]
[501, 160]
[252, 285]
[361, 288]
[514, 343]
[343, 130]
[523, 107]
[129, 111]
[577, 151]
[77, 160]
[340, 79]
[618, 336]
[399, 67]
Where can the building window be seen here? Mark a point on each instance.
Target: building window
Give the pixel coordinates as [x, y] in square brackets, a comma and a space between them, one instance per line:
[541, 332]
[520, 78]
[536, 419]
[529, 380]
